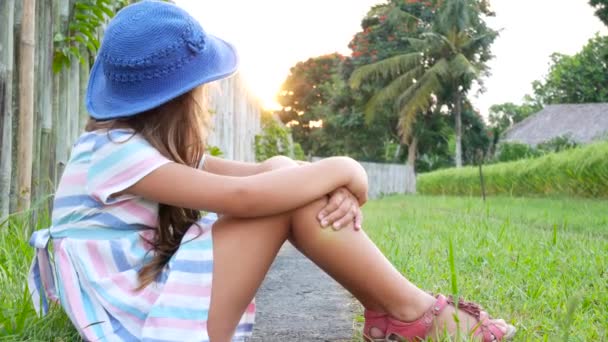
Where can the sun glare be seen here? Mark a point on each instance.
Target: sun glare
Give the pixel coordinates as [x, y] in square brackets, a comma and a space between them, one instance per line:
[261, 83]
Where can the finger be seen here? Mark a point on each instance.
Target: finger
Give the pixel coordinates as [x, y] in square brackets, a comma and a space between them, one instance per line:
[349, 225]
[347, 219]
[334, 203]
[358, 219]
[338, 213]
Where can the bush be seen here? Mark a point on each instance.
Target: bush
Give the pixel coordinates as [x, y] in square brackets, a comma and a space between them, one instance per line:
[558, 144]
[276, 140]
[515, 151]
[578, 172]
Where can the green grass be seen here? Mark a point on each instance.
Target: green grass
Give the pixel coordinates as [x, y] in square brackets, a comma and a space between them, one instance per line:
[541, 264]
[578, 172]
[18, 320]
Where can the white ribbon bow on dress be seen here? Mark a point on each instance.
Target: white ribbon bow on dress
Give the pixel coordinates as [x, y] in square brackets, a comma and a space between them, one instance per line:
[41, 278]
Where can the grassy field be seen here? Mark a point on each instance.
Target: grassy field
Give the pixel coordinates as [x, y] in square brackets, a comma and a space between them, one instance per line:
[18, 320]
[580, 172]
[542, 264]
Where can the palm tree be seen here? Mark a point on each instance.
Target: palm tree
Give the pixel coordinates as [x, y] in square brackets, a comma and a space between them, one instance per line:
[440, 66]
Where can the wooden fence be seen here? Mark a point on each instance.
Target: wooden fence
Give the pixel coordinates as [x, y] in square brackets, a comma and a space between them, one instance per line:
[387, 179]
[59, 111]
[236, 119]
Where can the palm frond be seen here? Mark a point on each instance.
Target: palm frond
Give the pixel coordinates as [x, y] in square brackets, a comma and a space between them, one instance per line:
[385, 68]
[397, 15]
[454, 14]
[438, 41]
[418, 44]
[391, 91]
[417, 98]
[475, 43]
[460, 66]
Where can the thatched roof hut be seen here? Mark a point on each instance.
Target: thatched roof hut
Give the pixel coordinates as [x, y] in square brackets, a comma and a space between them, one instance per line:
[583, 123]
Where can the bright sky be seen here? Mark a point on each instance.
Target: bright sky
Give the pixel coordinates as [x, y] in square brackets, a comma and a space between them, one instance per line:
[273, 35]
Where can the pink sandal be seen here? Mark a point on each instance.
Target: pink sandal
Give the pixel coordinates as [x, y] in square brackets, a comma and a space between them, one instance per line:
[376, 320]
[420, 329]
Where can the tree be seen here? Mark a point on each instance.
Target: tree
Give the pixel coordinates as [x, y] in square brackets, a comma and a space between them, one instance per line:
[601, 9]
[316, 93]
[449, 54]
[82, 32]
[581, 78]
[433, 132]
[477, 137]
[304, 97]
[503, 116]
[274, 140]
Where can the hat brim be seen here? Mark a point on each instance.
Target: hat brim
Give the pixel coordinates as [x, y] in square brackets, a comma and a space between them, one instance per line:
[218, 60]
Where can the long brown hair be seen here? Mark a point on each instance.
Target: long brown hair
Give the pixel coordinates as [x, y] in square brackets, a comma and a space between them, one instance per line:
[178, 130]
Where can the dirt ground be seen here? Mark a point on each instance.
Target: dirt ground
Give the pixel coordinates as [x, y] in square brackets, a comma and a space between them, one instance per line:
[299, 302]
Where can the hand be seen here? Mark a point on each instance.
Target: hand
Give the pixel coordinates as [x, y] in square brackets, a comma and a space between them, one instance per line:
[342, 211]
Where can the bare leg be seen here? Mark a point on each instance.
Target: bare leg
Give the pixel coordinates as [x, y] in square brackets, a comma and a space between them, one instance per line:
[348, 256]
[243, 250]
[353, 260]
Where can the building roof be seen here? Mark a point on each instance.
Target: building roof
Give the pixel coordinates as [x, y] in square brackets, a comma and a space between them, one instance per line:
[583, 123]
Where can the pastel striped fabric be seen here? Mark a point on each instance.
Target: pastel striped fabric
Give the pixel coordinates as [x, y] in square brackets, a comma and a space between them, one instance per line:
[99, 244]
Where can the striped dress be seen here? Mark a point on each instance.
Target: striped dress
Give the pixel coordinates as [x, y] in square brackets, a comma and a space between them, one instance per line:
[99, 244]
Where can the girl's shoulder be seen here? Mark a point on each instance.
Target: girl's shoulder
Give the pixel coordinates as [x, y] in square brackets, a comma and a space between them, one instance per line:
[104, 138]
[116, 160]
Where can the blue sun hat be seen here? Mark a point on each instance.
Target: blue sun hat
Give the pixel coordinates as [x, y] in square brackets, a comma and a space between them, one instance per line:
[153, 52]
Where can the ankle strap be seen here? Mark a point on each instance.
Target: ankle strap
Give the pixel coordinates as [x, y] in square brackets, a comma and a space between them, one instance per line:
[420, 328]
[436, 309]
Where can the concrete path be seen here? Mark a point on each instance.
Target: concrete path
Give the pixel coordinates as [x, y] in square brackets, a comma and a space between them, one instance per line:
[299, 302]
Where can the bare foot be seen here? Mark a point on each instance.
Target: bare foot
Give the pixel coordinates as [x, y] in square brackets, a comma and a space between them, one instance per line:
[467, 325]
[449, 324]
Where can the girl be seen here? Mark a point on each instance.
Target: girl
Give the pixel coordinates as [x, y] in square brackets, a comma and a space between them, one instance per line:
[134, 258]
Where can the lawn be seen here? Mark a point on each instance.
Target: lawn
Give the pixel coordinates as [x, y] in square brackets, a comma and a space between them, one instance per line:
[542, 264]
[18, 321]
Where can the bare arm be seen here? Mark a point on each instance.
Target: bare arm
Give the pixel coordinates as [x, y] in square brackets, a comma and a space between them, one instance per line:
[262, 194]
[226, 167]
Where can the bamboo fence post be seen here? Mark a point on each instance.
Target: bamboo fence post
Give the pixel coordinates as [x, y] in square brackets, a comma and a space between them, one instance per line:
[62, 117]
[45, 100]
[17, 18]
[73, 94]
[55, 99]
[38, 90]
[74, 100]
[84, 80]
[7, 11]
[26, 105]
[61, 124]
